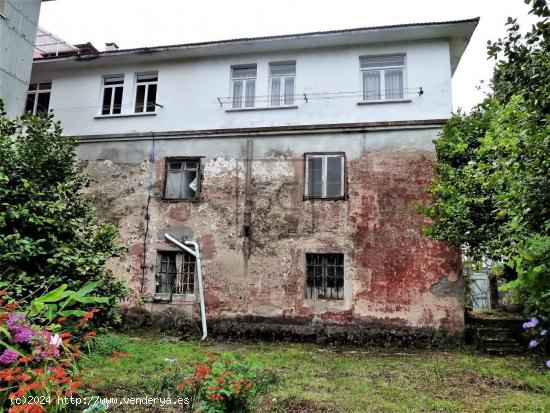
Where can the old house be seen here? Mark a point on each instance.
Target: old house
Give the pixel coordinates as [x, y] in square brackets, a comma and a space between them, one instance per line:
[294, 162]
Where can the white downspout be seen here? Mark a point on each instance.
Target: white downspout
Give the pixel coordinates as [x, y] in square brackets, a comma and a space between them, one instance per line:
[197, 255]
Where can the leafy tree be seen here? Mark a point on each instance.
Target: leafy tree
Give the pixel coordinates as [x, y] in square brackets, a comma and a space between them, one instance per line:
[491, 192]
[49, 234]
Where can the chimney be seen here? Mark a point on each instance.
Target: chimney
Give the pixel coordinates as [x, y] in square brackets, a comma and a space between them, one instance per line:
[111, 47]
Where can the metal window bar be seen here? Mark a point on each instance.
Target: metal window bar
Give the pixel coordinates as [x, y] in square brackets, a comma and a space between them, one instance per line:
[173, 280]
[325, 276]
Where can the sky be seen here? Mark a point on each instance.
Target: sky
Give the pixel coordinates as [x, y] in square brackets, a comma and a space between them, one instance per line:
[136, 23]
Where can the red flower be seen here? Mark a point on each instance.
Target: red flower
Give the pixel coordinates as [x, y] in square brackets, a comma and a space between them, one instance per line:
[202, 371]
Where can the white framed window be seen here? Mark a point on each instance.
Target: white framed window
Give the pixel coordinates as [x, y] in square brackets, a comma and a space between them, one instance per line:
[383, 77]
[243, 85]
[38, 98]
[113, 87]
[325, 175]
[282, 78]
[146, 92]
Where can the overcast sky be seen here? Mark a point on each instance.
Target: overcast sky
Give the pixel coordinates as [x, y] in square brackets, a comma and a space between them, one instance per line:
[135, 23]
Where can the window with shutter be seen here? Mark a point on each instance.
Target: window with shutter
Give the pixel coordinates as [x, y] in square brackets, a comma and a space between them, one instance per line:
[281, 83]
[243, 86]
[383, 77]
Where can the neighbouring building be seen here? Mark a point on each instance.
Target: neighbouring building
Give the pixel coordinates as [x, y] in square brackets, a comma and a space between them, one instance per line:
[294, 161]
[18, 22]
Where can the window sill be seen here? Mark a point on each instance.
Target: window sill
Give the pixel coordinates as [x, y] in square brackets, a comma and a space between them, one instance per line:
[376, 102]
[125, 115]
[175, 200]
[261, 108]
[164, 298]
[320, 198]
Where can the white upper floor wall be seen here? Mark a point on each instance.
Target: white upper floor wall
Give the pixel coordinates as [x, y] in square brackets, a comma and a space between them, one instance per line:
[194, 88]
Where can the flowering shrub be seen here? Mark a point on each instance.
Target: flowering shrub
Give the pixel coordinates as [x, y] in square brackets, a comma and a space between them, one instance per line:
[38, 361]
[221, 385]
[539, 334]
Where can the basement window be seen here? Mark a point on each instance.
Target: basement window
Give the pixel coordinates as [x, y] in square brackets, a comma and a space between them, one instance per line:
[175, 273]
[182, 179]
[325, 276]
[113, 87]
[38, 98]
[146, 92]
[325, 176]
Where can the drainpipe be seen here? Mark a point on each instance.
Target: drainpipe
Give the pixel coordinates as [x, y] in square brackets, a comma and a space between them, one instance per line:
[195, 253]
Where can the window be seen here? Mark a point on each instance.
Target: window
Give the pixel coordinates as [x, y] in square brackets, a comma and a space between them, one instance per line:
[38, 98]
[281, 83]
[243, 86]
[112, 94]
[175, 273]
[325, 276]
[383, 77]
[182, 179]
[324, 176]
[146, 92]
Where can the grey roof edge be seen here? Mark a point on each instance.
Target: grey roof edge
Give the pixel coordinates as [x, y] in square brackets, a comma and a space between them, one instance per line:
[151, 49]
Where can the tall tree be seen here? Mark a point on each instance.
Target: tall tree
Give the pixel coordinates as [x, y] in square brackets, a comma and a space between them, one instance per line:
[491, 192]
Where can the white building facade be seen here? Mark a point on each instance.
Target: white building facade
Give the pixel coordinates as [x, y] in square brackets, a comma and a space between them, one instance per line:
[294, 161]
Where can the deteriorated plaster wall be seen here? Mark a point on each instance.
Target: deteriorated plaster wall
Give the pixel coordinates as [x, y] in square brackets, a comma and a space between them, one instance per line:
[394, 276]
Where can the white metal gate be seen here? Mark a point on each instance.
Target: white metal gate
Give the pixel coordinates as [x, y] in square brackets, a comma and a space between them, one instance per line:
[479, 290]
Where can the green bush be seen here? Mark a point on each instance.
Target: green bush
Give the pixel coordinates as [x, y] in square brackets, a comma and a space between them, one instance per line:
[49, 234]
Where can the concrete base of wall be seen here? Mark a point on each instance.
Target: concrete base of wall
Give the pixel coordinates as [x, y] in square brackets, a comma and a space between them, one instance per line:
[301, 329]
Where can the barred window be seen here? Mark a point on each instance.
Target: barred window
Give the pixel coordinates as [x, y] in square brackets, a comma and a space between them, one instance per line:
[325, 276]
[175, 273]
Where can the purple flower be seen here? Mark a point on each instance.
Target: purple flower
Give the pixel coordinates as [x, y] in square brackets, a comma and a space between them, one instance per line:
[543, 333]
[14, 320]
[532, 323]
[49, 351]
[548, 364]
[8, 357]
[533, 343]
[23, 334]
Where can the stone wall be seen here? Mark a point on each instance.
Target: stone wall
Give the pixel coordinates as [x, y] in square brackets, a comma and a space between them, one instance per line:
[394, 276]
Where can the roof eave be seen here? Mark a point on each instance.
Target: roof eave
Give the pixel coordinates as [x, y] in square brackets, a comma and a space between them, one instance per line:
[457, 32]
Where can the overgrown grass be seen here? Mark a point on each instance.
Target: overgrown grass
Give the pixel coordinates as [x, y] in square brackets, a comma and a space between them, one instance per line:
[313, 378]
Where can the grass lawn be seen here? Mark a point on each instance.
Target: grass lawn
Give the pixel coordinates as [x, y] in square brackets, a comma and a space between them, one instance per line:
[317, 378]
